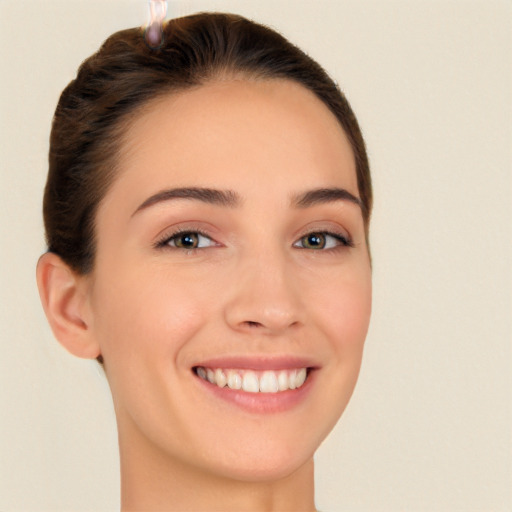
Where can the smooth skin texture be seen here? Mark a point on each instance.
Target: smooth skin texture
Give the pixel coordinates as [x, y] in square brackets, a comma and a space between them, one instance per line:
[255, 284]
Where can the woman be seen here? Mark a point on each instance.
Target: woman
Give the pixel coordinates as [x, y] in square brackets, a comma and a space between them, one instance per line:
[207, 212]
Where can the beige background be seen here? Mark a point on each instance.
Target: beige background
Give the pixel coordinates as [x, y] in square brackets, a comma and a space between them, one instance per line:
[429, 427]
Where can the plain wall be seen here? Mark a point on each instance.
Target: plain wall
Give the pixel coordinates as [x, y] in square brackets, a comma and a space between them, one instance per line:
[429, 426]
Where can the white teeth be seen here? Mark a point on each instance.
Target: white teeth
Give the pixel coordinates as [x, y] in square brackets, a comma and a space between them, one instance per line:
[234, 380]
[220, 378]
[250, 382]
[268, 383]
[301, 377]
[253, 381]
[292, 379]
[282, 380]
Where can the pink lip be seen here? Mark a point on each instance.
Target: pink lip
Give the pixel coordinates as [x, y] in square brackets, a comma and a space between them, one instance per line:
[259, 403]
[260, 363]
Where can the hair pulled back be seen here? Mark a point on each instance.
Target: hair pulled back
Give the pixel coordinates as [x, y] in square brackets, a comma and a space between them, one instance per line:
[95, 108]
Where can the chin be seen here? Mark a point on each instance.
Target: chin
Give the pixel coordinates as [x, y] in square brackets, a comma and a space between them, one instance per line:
[273, 465]
[264, 456]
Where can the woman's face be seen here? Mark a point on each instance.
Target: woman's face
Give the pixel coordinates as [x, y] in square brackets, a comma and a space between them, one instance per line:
[231, 246]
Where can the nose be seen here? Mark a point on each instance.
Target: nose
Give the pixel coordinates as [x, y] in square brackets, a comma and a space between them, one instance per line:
[263, 298]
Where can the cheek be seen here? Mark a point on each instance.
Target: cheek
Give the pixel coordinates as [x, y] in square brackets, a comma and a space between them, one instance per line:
[343, 310]
[343, 314]
[147, 316]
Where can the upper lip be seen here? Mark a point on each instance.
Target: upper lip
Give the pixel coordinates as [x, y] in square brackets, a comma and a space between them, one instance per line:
[263, 362]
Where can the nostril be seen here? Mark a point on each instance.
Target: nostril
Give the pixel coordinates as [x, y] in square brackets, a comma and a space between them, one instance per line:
[252, 324]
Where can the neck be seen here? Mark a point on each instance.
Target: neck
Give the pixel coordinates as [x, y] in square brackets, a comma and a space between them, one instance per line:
[152, 481]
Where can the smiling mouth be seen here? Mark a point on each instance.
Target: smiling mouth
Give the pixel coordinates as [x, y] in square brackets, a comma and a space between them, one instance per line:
[251, 381]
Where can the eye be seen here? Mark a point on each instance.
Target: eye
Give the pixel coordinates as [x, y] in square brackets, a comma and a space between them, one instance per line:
[322, 240]
[187, 240]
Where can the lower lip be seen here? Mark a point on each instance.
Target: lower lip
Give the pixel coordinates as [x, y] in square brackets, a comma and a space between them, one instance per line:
[261, 403]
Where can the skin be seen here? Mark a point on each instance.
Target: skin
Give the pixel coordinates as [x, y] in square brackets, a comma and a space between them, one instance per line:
[253, 287]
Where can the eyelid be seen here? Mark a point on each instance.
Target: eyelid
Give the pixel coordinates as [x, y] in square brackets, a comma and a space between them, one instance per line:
[328, 227]
[342, 236]
[344, 239]
[168, 234]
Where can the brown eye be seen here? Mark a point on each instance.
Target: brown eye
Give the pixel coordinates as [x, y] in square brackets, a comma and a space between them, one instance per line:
[322, 241]
[186, 240]
[313, 241]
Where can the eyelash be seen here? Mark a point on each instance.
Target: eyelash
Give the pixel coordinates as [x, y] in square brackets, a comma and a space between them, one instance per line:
[344, 241]
[164, 242]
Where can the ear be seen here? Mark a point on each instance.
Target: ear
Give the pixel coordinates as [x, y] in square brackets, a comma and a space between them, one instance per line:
[63, 294]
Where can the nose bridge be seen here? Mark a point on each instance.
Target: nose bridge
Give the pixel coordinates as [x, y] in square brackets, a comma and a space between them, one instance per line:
[263, 294]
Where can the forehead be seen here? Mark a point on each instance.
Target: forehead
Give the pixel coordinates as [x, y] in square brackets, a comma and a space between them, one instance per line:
[236, 134]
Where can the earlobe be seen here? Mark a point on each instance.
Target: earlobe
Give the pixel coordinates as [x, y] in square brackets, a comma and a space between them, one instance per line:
[63, 294]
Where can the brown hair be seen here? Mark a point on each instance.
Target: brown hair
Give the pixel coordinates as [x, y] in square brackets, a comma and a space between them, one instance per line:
[125, 74]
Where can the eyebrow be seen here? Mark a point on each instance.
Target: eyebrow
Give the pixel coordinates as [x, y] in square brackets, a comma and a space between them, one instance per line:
[229, 198]
[325, 195]
[206, 195]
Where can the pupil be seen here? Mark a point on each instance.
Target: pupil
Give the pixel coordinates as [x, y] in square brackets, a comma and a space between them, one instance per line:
[188, 240]
[315, 241]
